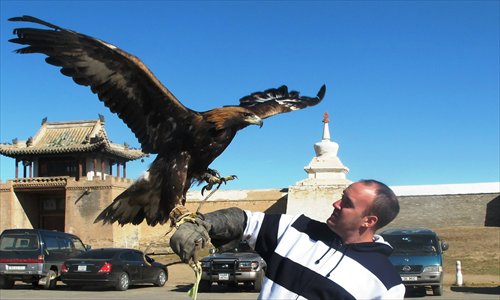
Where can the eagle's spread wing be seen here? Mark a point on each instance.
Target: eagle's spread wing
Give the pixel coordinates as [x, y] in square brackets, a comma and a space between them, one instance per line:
[125, 85]
[186, 141]
[276, 101]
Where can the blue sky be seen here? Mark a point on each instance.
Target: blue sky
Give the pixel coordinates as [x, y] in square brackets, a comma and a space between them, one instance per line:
[412, 86]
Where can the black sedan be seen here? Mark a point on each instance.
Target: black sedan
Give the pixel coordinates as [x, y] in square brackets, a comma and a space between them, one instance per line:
[117, 267]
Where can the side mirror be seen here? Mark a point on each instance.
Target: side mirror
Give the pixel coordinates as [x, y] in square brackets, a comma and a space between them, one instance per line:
[444, 245]
[88, 247]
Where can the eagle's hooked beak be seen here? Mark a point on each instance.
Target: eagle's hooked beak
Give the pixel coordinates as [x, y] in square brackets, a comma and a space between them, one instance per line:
[259, 122]
[255, 120]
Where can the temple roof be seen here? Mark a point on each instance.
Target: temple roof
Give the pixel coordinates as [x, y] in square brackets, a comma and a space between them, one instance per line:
[70, 137]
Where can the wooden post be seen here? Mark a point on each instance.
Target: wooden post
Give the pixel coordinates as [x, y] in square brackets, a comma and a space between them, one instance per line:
[102, 168]
[17, 168]
[124, 170]
[80, 169]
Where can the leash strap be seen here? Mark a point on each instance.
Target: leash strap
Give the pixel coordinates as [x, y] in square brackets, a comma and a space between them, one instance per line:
[196, 266]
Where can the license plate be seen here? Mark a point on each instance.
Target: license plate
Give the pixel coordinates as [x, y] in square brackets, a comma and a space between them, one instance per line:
[82, 268]
[223, 276]
[409, 278]
[16, 267]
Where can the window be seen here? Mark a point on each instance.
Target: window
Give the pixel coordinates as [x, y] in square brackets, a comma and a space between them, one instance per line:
[77, 244]
[416, 244]
[51, 243]
[132, 256]
[19, 242]
[58, 167]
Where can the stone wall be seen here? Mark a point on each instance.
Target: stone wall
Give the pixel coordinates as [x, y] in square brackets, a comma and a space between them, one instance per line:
[84, 202]
[155, 239]
[448, 210]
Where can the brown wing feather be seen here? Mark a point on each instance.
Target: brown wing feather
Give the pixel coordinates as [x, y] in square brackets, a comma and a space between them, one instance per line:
[276, 101]
[125, 85]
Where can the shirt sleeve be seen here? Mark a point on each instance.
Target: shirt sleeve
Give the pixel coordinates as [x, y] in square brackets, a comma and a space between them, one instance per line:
[264, 231]
[254, 223]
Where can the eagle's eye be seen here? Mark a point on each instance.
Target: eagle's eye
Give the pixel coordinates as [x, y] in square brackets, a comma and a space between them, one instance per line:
[247, 114]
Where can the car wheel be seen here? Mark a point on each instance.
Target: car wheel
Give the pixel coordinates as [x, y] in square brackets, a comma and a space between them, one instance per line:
[161, 278]
[205, 286]
[123, 282]
[51, 281]
[437, 290]
[6, 283]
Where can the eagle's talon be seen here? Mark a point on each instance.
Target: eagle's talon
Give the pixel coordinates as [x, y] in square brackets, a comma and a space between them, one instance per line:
[207, 187]
[212, 179]
[231, 177]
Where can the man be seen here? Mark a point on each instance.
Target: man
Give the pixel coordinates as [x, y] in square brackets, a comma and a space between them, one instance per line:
[307, 259]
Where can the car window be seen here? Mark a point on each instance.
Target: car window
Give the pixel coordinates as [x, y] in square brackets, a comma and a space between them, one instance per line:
[51, 243]
[77, 244]
[414, 244]
[132, 256]
[128, 256]
[138, 256]
[65, 244]
[19, 241]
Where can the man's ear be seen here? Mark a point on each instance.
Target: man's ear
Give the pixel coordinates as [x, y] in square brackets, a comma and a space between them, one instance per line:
[370, 221]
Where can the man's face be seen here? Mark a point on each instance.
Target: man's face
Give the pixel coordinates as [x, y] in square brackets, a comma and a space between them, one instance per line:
[349, 212]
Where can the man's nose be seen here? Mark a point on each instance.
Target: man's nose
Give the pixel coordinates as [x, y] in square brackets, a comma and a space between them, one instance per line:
[336, 205]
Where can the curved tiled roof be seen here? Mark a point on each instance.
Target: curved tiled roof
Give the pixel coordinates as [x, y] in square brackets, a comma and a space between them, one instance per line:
[70, 137]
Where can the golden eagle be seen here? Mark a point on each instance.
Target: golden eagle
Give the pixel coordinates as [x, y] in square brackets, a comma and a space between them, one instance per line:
[185, 141]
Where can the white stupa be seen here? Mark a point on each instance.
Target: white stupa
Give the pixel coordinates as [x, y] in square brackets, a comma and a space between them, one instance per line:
[325, 182]
[325, 168]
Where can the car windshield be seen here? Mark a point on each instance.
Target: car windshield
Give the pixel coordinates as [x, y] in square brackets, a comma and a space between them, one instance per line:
[413, 244]
[19, 241]
[98, 254]
[242, 247]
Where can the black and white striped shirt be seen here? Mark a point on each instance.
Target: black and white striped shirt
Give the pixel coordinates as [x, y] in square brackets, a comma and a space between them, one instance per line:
[306, 260]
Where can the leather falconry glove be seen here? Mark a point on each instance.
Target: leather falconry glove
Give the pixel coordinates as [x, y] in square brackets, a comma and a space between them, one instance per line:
[224, 227]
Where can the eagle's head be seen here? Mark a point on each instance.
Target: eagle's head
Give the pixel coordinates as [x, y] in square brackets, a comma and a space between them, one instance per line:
[232, 117]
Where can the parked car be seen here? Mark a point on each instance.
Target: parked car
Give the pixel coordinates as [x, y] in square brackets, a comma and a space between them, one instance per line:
[418, 257]
[35, 256]
[241, 264]
[116, 267]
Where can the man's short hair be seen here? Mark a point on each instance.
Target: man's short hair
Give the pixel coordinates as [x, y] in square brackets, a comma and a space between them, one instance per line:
[385, 205]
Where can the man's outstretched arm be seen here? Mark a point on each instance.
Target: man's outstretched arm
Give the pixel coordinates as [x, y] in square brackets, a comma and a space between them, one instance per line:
[224, 228]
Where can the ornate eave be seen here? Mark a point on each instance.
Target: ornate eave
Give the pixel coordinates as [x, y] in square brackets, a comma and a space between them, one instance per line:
[71, 137]
[32, 184]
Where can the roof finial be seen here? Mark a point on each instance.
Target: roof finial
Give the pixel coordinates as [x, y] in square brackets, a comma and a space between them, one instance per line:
[325, 118]
[326, 130]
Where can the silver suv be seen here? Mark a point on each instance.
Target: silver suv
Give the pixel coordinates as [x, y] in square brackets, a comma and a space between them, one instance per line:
[35, 256]
[241, 264]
